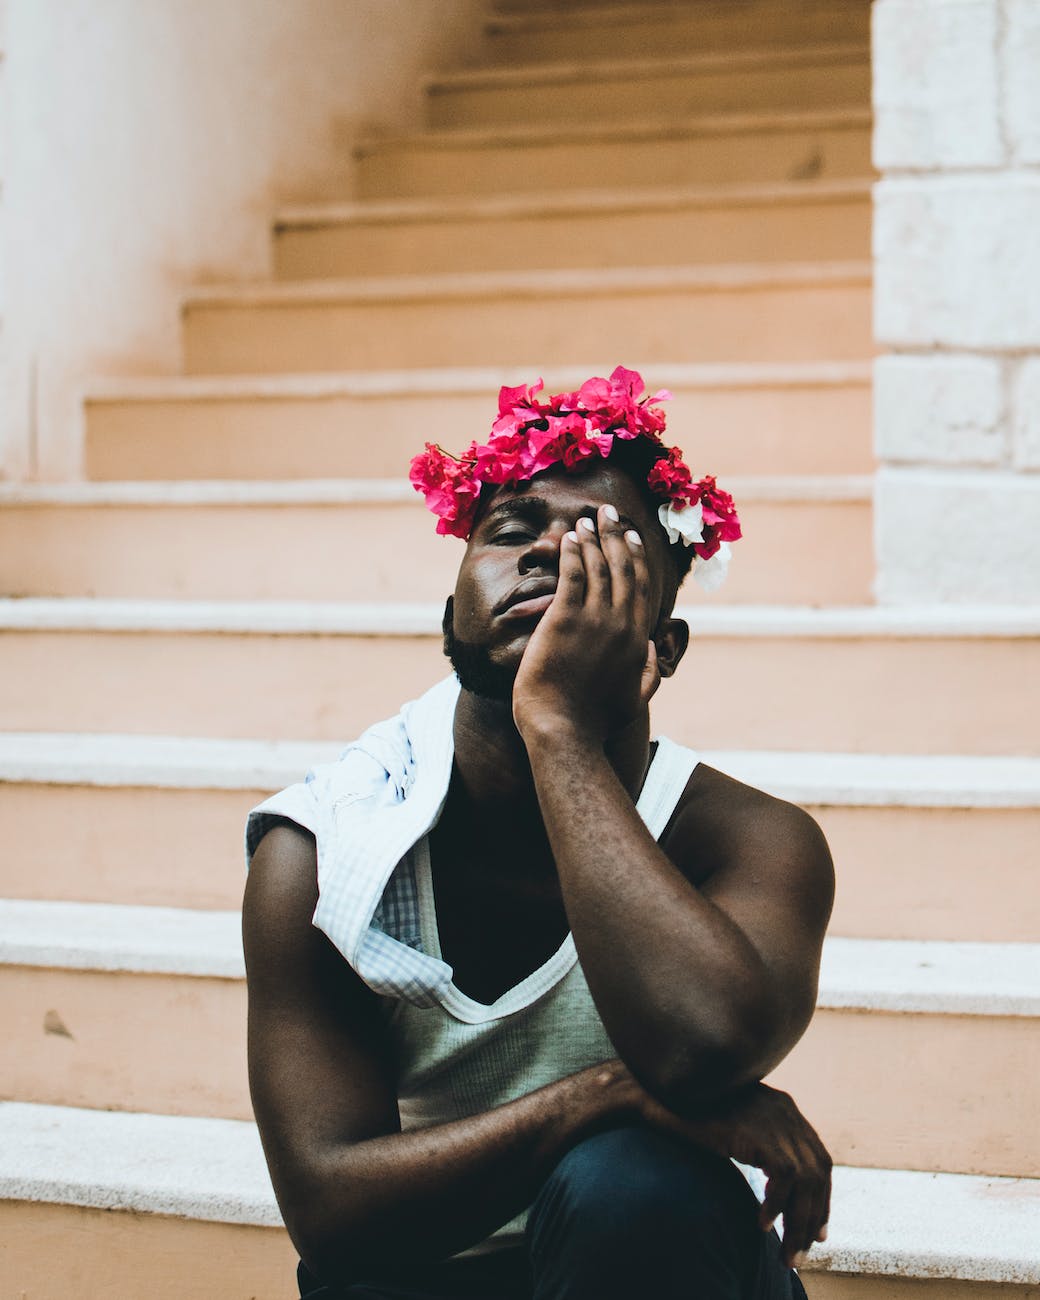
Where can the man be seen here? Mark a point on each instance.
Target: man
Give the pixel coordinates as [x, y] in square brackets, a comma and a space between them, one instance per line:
[515, 971]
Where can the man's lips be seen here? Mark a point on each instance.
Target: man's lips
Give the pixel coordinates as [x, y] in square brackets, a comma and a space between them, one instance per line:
[531, 608]
[527, 601]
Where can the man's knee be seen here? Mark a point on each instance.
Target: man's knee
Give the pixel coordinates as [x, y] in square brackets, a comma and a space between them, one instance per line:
[636, 1189]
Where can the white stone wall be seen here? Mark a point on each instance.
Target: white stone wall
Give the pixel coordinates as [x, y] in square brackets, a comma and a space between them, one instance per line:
[957, 299]
[148, 145]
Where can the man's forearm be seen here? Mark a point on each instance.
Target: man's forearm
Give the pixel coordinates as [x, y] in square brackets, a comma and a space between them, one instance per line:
[428, 1193]
[681, 991]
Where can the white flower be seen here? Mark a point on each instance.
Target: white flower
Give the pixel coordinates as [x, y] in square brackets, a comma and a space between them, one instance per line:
[711, 574]
[686, 524]
[682, 523]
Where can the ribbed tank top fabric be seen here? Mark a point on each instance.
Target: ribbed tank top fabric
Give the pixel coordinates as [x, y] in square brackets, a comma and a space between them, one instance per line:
[464, 1057]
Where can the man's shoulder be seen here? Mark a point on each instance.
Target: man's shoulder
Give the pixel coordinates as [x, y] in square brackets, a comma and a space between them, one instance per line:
[721, 822]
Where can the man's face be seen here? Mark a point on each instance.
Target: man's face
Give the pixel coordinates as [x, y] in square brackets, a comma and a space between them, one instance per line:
[510, 569]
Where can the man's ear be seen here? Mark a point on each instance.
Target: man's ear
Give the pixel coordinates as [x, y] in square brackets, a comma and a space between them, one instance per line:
[671, 637]
[448, 625]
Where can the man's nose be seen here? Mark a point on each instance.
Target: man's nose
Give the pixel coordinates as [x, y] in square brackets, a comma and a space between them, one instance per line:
[544, 552]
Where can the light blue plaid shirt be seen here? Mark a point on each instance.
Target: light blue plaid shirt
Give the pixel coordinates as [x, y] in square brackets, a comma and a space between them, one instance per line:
[367, 811]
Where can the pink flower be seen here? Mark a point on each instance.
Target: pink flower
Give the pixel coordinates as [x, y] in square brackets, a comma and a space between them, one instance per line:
[524, 395]
[594, 394]
[627, 382]
[569, 429]
[499, 460]
[450, 489]
[719, 510]
[670, 477]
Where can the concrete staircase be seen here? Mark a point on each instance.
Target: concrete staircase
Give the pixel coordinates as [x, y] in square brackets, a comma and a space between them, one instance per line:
[243, 581]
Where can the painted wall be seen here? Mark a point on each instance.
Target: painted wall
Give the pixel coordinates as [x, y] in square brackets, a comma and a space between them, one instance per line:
[957, 299]
[146, 146]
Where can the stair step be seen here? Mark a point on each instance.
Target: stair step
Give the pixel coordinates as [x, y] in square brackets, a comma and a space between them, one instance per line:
[639, 30]
[114, 986]
[258, 541]
[763, 79]
[98, 1204]
[777, 419]
[115, 1007]
[896, 1023]
[862, 679]
[902, 1229]
[800, 221]
[708, 150]
[778, 312]
[83, 812]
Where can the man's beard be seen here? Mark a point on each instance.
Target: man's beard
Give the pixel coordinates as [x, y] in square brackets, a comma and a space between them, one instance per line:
[476, 671]
[474, 667]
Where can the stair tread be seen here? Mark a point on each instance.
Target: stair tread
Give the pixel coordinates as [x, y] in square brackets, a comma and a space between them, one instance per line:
[650, 68]
[892, 975]
[576, 202]
[597, 15]
[884, 1221]
[403, 618]
[631, 130]
[327, 491]
[819, 779]
[121, 937]
[591, 283]
[445, 381]
[208, 1169]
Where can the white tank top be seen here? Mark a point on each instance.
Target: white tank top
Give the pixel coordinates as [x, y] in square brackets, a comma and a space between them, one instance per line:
[465, 1057]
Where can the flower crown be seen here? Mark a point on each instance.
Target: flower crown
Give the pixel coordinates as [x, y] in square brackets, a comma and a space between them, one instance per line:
[569, 429]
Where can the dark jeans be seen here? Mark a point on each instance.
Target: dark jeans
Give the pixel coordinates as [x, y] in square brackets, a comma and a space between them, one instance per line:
[626, 1215]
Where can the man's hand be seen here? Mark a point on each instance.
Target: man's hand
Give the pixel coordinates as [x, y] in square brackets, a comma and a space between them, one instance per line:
[760, 1126]
[590, 663]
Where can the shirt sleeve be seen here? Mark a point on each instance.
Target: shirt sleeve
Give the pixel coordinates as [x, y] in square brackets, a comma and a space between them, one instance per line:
[297, 803]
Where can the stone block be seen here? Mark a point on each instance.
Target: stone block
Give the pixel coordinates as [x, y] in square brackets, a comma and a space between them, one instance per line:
[1021, 79]
[943, 410]
[956, 536]
[936, 79]
[957, 261]
[1025, 415]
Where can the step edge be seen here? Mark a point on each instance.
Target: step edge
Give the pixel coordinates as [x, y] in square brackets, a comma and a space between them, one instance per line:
[402, 618]
[118, 938]
[157, 762]
[577, 203]
[719, 277]
[506, 22]
[815, 779]
[777, 120]
[111, 1137]
[128, 1147]
[991, 980]
[492, 77]
[791, 489]
[463, 382]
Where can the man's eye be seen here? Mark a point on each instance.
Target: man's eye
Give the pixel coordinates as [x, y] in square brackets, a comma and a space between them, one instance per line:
[511, 536]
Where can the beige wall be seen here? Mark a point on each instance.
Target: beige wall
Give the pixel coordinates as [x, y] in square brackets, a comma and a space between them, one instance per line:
[147, 142]
[957, 300]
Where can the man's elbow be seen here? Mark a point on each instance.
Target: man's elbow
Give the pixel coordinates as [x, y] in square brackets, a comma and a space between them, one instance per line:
[684, 1080]
[742, 1050]
[335, 1252]
[329, 1230]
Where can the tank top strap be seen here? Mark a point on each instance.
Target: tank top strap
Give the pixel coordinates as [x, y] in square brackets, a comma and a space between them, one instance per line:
[666, 779]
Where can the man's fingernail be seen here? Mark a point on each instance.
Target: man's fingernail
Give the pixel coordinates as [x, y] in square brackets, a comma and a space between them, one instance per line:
[633, 538]
[586, 523]
[611, 513]
[570, 537]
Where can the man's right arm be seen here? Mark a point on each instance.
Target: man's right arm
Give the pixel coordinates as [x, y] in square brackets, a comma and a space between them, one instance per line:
[356, 1193]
